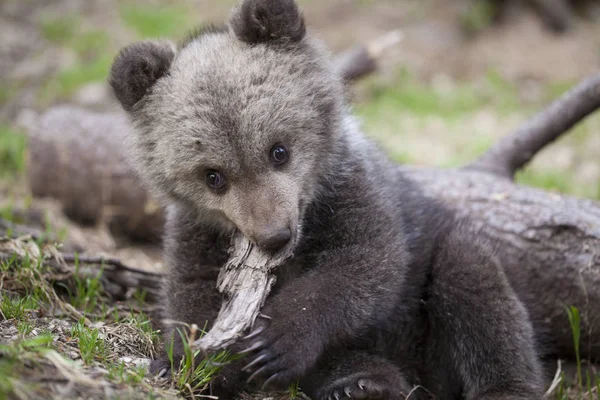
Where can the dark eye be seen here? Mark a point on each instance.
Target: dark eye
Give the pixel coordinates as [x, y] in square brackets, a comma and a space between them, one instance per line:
[279, 154]
[214, 179]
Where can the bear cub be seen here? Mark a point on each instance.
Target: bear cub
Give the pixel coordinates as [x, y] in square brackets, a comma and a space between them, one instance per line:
[388, 295]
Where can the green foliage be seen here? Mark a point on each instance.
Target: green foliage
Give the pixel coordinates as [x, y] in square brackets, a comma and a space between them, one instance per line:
[575, 323]
[294, 390]
[445, 100]
[90, 343]
[557, 181]
[67, 82]
[18, 307]
[24, 328]
[7, 90]
[16, 356]
[150, 21]
[121, 373]
[13, 145]
[92, 48]
[60, 30]
[192, 376]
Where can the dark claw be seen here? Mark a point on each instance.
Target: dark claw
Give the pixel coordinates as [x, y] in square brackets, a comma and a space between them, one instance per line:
[265, 316]
[269, 381]
[256, 373]
[347, 392]
[336, 395]
[255, 346]
[256, 361]
[254, 334]
[361, 384]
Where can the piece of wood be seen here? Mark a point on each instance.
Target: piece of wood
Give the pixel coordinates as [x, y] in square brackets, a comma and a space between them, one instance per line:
[246, 282]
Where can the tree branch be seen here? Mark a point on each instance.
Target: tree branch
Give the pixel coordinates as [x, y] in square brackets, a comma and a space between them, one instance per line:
[361, 60]
[515, 150]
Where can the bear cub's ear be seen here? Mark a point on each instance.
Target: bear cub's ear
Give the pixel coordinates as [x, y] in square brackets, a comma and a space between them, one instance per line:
[137, 67]
[256, 21]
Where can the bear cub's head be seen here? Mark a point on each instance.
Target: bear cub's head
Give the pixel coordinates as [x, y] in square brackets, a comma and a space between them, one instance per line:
[237, 124]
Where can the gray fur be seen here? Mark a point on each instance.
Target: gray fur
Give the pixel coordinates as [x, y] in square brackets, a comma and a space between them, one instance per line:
[387, 289]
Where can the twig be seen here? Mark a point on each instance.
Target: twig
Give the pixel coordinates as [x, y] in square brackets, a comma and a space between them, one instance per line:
[556, 380]
[118, 264]
[361, 60]
[515, 150]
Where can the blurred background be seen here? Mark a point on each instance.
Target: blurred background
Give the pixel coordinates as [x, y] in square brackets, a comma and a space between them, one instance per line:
[465, 73]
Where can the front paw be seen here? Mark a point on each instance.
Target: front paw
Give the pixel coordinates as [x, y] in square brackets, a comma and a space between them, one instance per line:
[279, 354]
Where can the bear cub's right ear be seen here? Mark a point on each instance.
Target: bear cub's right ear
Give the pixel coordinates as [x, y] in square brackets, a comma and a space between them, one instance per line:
[137, 67]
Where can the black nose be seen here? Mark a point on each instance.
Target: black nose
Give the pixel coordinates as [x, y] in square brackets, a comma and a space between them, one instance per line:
[275, 239]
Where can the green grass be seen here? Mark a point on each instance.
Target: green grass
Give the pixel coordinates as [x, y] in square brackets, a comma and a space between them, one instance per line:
[18, 307]
[27, 285]
[72, 32]
[193, 374]
[92, 50]
[60, 30]
[411, 95]
[87, 292]
[121, 373]
[68, 81]
[7, 91]
[149, 21]
[579, 389]
[12, 152]
[557, 181]
[16, 358]
[90, 343]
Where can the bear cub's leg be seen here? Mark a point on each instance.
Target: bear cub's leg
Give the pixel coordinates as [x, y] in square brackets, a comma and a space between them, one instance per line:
[479, 331]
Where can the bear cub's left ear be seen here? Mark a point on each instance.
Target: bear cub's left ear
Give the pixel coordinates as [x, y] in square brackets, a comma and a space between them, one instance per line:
[136, 69]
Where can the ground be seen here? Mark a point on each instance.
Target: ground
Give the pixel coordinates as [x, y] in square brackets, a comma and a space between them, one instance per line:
[454, 85]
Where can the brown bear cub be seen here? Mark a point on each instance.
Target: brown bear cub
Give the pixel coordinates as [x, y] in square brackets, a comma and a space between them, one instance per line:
[388, 292]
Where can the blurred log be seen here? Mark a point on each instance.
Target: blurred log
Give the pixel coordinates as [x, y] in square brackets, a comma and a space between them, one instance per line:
[76, 156]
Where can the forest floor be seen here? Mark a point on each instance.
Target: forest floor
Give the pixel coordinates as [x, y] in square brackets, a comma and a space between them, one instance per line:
[453, 86]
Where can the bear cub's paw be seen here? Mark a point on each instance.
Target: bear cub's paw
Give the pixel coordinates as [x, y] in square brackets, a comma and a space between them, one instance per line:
[364, 387]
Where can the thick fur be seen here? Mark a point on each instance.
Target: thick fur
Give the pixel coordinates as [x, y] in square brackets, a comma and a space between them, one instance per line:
[389, 293]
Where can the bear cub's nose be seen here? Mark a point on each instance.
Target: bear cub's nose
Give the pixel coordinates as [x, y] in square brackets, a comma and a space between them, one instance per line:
[275, 239]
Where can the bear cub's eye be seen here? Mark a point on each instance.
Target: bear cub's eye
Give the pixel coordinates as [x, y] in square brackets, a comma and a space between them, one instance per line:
[279, 154]
[215, 179]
